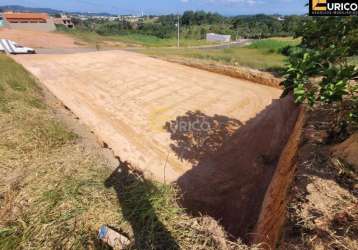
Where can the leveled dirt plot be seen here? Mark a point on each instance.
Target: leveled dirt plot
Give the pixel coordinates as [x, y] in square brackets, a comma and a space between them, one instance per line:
[143, 108]
[127, 99]
[39, 39]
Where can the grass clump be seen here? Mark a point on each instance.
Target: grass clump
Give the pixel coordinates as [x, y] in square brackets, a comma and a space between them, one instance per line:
[55, 193]
[273, 45]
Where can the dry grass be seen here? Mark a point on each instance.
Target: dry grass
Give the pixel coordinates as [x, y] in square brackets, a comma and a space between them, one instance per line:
[53, 191]
[323, 205]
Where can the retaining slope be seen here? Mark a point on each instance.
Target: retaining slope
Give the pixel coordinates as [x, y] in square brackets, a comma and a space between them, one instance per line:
[272, 215]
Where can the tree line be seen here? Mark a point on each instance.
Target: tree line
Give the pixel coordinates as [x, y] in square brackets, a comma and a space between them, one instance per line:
[195, 25]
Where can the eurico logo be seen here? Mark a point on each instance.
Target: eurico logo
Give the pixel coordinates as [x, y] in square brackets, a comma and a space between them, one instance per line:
[342, 6]
[185, 126]
[333, 8]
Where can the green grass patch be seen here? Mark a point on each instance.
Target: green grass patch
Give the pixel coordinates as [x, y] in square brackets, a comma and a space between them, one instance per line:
[262, 54]
[237, 56]
[273, 45]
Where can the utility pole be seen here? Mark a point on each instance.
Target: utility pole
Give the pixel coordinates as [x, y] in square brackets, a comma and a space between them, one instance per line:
[178, 45]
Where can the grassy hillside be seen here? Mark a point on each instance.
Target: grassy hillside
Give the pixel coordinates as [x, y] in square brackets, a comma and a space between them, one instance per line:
[55, 192]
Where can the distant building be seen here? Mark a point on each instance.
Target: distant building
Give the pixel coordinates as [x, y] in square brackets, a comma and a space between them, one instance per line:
[280, 18]
[131, 18]
[64, 20]
[212, 37]
[28, 21]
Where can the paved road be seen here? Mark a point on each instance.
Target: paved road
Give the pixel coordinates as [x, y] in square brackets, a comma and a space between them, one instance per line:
[127, 98]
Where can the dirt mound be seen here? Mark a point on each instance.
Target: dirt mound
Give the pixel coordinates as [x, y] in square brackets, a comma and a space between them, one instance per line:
[253, 75]
[39, 39]
[348, 151]
[230, 183]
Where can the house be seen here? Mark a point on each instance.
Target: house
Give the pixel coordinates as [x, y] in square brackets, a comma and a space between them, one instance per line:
[212, 37]
[64, 20]
[28, 21]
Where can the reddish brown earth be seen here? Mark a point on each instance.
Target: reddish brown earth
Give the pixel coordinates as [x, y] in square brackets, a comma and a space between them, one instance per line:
[230, 183]
[127, 99]
[273, 212]
[38, 39]
[348, 151]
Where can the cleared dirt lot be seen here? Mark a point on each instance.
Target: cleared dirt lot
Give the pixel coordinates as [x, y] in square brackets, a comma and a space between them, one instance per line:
[127, 98]
[38, 39]
[148, 111]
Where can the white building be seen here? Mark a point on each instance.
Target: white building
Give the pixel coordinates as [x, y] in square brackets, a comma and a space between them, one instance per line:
[212, 37]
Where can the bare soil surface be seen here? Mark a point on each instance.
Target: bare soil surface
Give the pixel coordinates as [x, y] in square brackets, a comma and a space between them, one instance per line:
[323, 205]
[219, 137]
[39, 39]
[230, 182]
[127, 99]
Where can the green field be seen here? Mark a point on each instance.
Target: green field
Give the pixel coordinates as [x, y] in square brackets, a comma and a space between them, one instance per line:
[247, 57]
[274, 45]
[262, 54]
[55, 193]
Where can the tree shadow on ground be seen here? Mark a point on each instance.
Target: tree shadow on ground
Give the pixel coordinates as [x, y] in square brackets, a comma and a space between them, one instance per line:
[134, 193]
[232, 163]
[197, 135]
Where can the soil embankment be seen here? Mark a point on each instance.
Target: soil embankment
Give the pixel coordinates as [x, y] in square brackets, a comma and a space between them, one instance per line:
[40, 39]
[273, 212]
[230, 184]
[253, 75]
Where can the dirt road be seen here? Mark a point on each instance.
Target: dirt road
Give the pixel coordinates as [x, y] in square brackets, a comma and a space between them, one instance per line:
[127, 98]
[39, 39]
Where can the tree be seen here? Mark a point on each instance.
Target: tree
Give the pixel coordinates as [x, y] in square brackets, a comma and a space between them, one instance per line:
[321, 33]
[319, 73]
[188, 18]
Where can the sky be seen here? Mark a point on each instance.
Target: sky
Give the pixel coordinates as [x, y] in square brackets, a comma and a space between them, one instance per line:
[225, 7]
